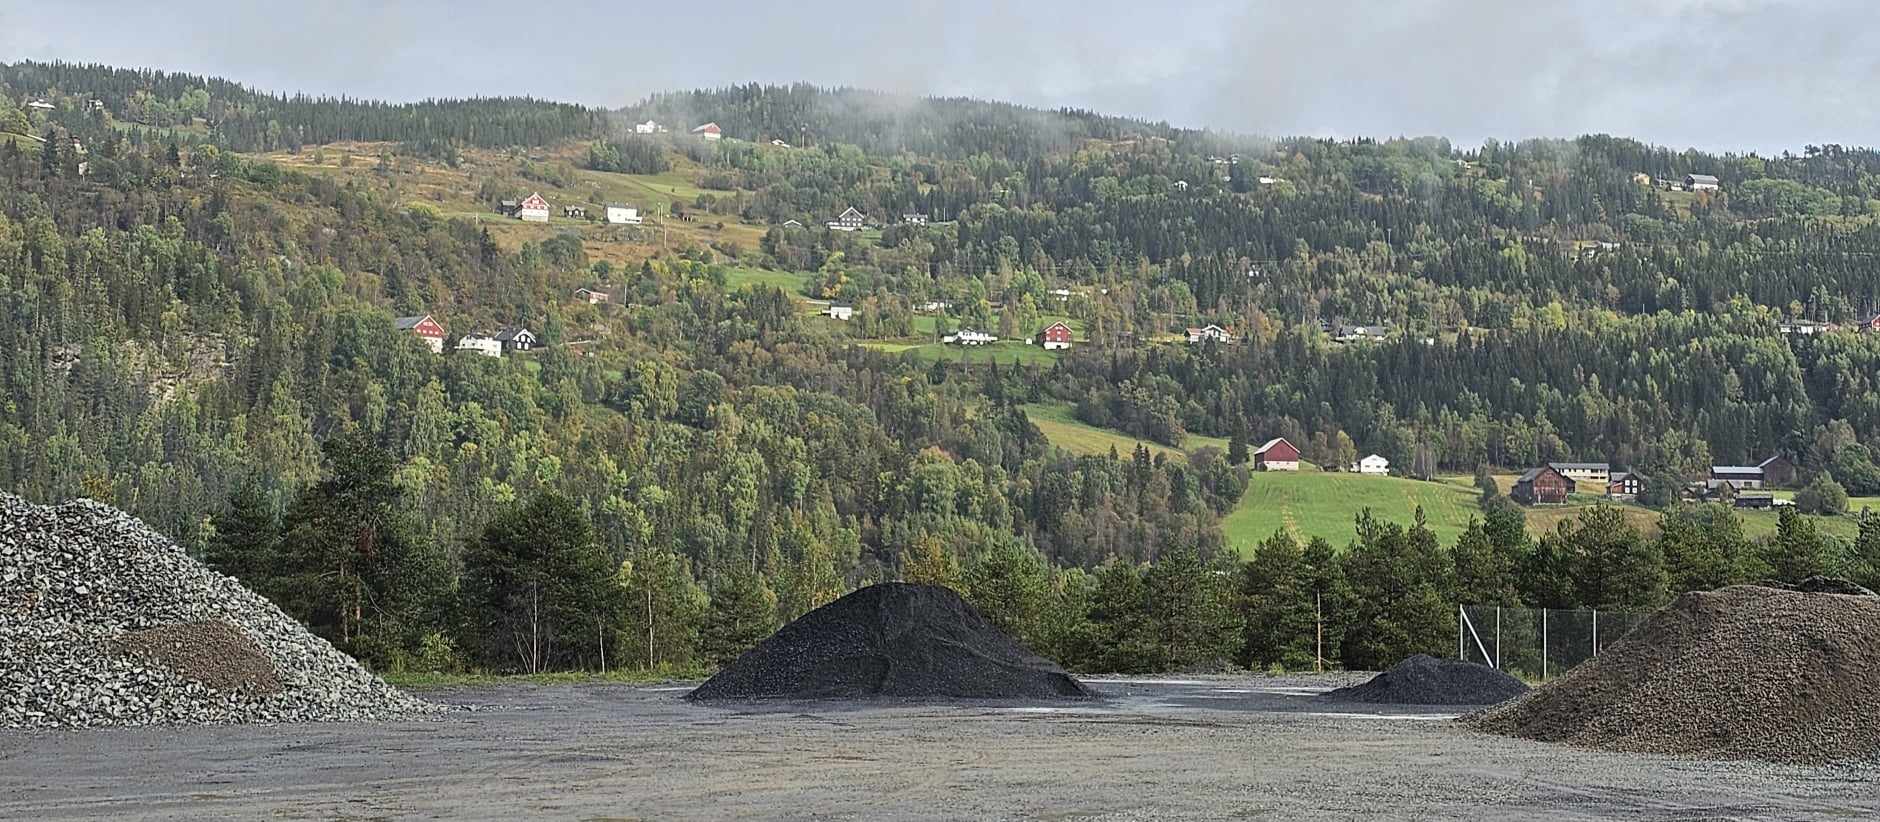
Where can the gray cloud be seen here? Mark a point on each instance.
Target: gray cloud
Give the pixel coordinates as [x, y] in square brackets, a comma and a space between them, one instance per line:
[1724, 74]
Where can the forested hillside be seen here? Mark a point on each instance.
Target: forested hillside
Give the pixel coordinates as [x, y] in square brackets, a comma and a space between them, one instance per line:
[201, 284]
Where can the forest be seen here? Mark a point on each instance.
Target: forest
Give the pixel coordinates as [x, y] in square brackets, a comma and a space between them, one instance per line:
[204, 337]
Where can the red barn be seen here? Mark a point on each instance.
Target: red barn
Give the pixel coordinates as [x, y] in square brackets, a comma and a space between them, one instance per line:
[424, 328]
[1276, 455]
[1057, 337]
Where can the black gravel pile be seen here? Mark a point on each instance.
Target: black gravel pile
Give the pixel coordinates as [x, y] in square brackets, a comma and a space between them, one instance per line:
[892, 641]
[1745, 672]
[105, 622]
[1426, 680]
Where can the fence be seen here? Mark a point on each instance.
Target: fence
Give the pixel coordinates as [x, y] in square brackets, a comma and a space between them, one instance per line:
[1537, 643]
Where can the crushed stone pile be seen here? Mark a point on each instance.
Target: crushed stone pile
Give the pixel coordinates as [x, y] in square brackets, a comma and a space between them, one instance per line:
[105, 622]
[1745, 672]
[892, 641]
[1426, 680]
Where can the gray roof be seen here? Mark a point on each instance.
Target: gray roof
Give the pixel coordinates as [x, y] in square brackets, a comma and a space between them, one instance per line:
[1581, 466]
[408, 323]
[1701, 178]
[1530, 474]
[1744, 470]
[511, 332]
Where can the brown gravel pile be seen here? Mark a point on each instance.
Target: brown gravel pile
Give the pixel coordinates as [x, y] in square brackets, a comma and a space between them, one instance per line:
[211, 652]
[1745, 672]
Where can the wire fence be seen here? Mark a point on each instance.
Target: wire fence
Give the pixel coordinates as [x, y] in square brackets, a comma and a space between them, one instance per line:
[1537, 643]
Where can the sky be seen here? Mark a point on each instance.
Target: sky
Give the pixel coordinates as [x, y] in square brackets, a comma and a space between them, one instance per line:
[1740, 75]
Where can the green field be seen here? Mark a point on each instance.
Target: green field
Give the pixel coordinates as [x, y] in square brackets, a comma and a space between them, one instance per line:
[1312, 503]
[1003, 351]
[1066, 432]
[791, 282]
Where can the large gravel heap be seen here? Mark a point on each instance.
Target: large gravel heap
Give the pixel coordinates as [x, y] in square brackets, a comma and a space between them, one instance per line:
[1425, 680]
[895, 641]
[1745, 672]
[105, 622]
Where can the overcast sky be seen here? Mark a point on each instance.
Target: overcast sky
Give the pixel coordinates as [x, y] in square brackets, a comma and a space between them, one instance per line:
[1720, 74]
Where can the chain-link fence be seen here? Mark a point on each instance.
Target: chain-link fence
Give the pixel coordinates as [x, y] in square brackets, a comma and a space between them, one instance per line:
[1537, 643]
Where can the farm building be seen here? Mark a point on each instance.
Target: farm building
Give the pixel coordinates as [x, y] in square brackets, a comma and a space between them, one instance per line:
[709, 131]
[592, 296]
[621, 214]
[533, 208]
[1701, 182]
[1210, 333]
[1373, 464]
[1592, 473]
[1360, 333]
[424, 328]
[516, 338]
[1276, 455]
[841, 311]
[480, 343]
[970, 337]
[914, 218]
[848, 220]
[1778, 472]
[1541, 486]
[1738, 477]
[1624, 485]
[1056, 337]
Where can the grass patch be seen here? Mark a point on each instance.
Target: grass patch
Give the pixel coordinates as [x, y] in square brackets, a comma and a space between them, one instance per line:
[1326, 504]
[1067, 432]
[1003, 351]
[792, 282]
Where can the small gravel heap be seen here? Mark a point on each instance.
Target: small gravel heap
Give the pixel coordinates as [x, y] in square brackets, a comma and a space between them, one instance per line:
[105, 622]
[1745, 672]
[892, 641]
[1425, 680]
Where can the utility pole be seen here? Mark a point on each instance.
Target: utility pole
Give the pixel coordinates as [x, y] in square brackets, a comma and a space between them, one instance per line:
[1318, 604]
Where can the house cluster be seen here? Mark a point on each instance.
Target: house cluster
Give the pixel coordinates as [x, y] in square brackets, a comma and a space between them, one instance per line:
[1210, 333]
[429, 331]
[532, 209]
[1553, 483]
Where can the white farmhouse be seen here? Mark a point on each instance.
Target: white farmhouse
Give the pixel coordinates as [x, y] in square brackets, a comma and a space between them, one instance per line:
[1373, 464]
[622, 214]
[533, 210]
[849, 220]
[480, 343]
[841, 311]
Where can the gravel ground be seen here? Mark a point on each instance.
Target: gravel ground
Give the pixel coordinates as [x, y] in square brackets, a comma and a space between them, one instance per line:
[1201, 748]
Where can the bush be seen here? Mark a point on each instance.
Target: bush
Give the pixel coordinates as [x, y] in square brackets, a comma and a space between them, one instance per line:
[1822, 496]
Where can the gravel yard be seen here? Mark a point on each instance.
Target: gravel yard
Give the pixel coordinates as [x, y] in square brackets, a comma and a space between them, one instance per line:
[1203, 748]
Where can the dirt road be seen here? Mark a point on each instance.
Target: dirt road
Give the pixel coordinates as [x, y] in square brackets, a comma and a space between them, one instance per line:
[1197, 749]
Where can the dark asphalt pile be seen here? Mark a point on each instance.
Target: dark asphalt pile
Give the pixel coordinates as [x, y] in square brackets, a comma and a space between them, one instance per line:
[105, 622]
[1425, 680]
[1745, 672]
[892, 641]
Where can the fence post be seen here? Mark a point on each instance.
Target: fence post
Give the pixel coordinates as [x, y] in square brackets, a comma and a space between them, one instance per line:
[1543, 644]
[1498, 637]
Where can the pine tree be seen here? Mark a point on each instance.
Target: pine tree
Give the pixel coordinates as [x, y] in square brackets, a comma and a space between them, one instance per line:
[1797, 551]
[1237, 448]
[743, 613]
[537, 590]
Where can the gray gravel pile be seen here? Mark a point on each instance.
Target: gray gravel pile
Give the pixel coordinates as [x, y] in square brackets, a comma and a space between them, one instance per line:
[1745, 672]
[1425, 680]
[892, 641]
[105, 622]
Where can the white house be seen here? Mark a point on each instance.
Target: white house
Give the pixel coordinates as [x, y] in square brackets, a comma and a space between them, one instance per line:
[534, 209]
[709, 131]
[483, 344]
[1373, 464]
[849, 220]
[969, 337]
[914, 218]
[516, 338]
[648, 127]
[1210, 332]
[841, 311]
[620, 214]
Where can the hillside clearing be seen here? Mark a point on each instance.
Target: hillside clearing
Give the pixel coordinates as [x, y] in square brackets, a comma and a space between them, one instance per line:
[1312, 503]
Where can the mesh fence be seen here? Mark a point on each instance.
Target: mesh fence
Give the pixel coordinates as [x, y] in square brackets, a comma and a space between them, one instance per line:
[1537, 643]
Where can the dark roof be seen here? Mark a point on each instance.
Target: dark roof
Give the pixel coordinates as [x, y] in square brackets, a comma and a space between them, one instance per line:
[408, 323]
[510, 333]
[1765, 463]
[1530, 474]
[1736, 470]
